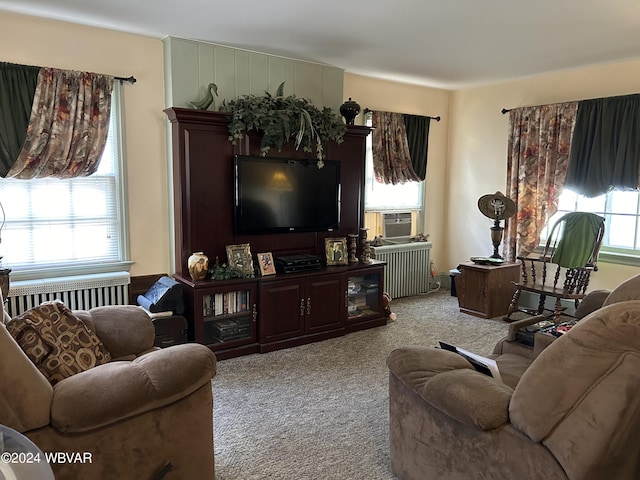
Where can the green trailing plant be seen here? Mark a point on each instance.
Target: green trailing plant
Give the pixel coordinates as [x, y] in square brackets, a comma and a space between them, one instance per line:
[223, 271]
[280, 119]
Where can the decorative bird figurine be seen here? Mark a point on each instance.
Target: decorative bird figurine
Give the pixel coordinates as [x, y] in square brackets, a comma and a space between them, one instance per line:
[203, 104]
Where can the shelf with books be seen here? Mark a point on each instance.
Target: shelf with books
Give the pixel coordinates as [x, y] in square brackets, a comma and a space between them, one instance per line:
[223, 315]
[220, 331]
[226, 303]
[227, 316]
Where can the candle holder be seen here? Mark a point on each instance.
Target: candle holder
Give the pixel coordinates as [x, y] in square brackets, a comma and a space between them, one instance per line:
[353, 244]
[365, 257]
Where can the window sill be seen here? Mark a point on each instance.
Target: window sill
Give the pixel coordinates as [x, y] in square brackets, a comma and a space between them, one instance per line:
[67, 270]
[619, 258]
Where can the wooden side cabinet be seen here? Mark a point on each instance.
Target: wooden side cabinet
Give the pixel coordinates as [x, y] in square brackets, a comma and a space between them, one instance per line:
[486, 290]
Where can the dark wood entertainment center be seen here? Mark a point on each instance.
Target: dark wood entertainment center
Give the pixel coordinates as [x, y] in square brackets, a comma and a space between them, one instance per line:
[241, 316]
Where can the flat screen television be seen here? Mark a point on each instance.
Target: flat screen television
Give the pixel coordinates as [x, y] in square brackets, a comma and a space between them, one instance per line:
[276, 195]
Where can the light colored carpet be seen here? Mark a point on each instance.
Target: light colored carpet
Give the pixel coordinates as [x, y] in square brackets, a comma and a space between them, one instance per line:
[320, 411]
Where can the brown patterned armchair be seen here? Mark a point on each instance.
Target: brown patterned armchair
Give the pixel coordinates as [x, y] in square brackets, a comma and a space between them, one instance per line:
[138, 413]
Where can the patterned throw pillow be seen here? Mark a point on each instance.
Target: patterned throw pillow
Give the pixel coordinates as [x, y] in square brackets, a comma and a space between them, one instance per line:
[57, 341]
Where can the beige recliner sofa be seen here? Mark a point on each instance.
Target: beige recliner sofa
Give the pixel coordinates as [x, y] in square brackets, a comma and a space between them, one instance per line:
[514, 358]
[573, 414]
[145, 414]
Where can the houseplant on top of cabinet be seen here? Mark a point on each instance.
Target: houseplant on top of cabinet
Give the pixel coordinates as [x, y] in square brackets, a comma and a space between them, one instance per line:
[280, 119]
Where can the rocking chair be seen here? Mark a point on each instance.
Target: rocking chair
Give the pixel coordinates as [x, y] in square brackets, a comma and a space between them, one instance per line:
[572, 251]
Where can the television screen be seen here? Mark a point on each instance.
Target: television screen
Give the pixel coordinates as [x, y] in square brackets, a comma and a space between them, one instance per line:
[285, 195]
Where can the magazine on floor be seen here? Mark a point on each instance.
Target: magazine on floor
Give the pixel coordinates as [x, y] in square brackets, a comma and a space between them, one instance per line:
[485, 365]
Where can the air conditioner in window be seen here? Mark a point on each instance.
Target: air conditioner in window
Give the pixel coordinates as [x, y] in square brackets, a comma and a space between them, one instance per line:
[397, 224]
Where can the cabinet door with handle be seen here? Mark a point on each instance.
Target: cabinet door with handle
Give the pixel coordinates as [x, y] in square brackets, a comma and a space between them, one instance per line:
[324, 303]
[282, 310]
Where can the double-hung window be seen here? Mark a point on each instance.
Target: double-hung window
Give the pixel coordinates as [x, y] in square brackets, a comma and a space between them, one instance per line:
[381, 197]
[621, 210]
[72, 226]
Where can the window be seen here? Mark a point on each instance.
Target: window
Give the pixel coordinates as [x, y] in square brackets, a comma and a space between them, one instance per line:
[621, 210]
[381, 196]
[68, 226]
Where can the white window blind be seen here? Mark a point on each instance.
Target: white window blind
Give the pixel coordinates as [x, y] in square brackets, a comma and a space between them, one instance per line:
[74, 224]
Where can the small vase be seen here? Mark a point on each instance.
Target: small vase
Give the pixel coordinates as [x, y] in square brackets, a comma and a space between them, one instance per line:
[198, 265]
[349, 111]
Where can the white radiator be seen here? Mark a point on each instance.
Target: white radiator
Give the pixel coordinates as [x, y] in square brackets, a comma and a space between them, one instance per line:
[408, 268]
[80, 292]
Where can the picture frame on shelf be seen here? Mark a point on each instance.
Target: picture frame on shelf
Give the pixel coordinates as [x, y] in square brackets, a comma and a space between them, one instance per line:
[336, 251]
[265, 262]
[239, 257]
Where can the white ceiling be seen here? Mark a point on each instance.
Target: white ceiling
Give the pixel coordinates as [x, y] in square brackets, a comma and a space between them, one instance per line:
[442, 43]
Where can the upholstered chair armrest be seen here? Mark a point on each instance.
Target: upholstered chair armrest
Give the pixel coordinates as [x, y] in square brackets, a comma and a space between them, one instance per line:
[522, 323]
[593, 301]
[126, 330]
[470, 397]
[115, 391]
[25, 394]
[450, 384]
[627, 290]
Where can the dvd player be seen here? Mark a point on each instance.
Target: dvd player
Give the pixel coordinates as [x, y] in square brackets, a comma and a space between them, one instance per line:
[297, 263]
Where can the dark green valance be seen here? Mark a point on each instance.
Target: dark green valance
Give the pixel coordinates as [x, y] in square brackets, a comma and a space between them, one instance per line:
[605, 149]
[17, 89]
[417, 128]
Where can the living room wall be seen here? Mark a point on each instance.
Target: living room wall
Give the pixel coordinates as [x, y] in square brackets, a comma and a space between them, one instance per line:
[478, 149]
[191, 65]
[467, 152]
[468, 147]
[33, 41]
[377, 94]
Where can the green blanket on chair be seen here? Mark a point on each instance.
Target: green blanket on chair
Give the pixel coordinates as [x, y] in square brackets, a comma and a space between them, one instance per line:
[578, 238]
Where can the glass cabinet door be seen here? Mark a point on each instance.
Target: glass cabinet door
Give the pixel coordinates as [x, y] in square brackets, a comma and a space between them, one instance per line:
[363, 296]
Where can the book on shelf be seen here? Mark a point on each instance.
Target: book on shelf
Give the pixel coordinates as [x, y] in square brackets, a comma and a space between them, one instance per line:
[360, 300]
[227, 303]
[243, 301]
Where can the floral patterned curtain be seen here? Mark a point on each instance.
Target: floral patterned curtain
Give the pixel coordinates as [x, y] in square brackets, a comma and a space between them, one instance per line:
[391, 158]
[68, 125]
[538, 157]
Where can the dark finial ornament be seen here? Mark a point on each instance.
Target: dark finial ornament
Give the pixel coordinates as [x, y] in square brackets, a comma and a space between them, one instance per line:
[349, 110]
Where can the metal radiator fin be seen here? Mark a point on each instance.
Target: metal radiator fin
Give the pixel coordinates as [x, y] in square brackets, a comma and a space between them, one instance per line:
[408, 268]
[80, 292]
